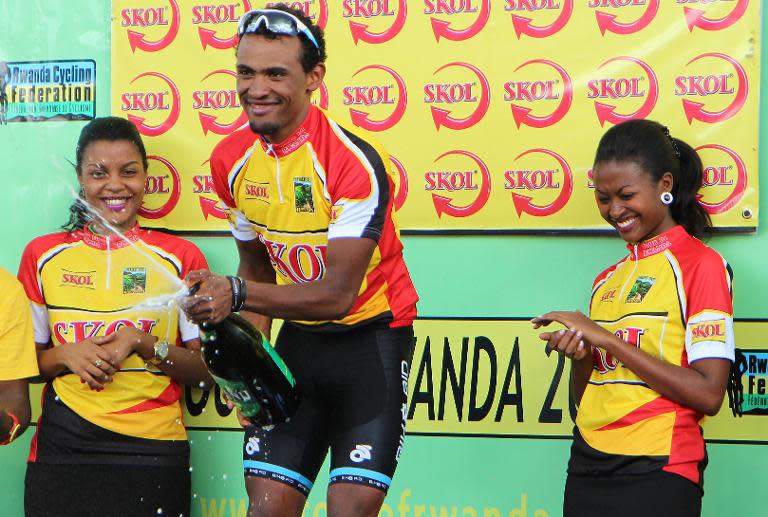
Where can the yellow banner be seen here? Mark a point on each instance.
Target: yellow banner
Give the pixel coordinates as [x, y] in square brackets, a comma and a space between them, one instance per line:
[492, 377]
[491, 110]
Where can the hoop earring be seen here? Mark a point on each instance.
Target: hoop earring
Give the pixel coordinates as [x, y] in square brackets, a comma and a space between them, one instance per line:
[667, 198]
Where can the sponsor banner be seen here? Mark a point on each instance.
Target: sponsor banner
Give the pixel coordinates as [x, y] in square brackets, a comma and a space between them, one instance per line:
[41, 91]
[492, 110]
[493, 378]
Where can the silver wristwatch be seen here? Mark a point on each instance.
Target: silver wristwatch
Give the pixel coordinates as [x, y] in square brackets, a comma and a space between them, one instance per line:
[161, 353]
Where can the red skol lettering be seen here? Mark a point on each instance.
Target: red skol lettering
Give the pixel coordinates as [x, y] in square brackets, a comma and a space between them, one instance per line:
[702, 85]
[449, 93]
[214, 13]
[291, 265]
[368, 95]
[707, 330]
[530, 5]
[448, 6]
[256, 191]
[530, 91]
[143, 17]
[144, 101]
[215, 99]
[366, 8]
[615, 3]
[605, 362]
[156, 185]
[530, 179]
[716, 175]
[614, 88]
[84, 280]
[202, 184]
[450, 181]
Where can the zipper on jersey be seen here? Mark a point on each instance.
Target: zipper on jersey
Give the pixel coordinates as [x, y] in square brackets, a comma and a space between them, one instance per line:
[632, 275]
[271, 149]
[109, 261]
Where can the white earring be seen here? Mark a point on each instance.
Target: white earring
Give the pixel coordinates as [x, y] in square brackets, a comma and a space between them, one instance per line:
[667, 198]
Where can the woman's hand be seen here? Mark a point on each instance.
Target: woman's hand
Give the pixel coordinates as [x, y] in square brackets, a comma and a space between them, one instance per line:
[577, 323]
[126, 341]
[212, 301]
[567, 342]
[93, 364]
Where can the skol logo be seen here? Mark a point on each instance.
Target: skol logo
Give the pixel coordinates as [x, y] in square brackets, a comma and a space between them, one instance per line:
[368, 9]
[162, 190]
[315, 10]
[695, 17]
[77, 331]
[607, 21]
[219, 99]
[525, 25]
[721, 164]
[401, 190]
[536, 176]
[605, 362]
[708, 331]
[443, 29]
[624, 87]
[78, 279]
[217, 14]
[162, 98]
[713, 84]
[477, 92]
[203, 184]
[539, 91]
[300, 263]
[382, 95]
[473, 177]
[609, 296]
[148, 17]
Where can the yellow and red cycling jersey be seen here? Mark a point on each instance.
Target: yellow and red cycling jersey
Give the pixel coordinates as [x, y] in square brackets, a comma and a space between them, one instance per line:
[17, 348]
[671, 297]
[323, 182]
[83, 285]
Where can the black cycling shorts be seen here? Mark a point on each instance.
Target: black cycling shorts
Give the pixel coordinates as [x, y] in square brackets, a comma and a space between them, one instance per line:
[354, 387]
[655, 494]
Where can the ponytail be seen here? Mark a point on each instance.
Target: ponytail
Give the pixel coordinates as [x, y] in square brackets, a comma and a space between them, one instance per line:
[79, 215]
[686, 209]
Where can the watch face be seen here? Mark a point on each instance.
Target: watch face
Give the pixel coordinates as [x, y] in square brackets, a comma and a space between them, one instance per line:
[161, 350]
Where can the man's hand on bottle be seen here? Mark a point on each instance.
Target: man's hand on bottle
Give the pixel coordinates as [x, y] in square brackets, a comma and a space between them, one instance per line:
[212, 300]
[242, 419]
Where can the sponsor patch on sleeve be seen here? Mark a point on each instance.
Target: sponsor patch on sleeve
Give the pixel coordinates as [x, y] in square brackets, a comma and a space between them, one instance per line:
[712, 330]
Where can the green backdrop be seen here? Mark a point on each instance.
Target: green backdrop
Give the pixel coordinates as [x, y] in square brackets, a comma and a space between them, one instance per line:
[460, 276]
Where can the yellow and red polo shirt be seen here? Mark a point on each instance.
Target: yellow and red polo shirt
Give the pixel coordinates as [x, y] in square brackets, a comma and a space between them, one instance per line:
[82, 285]
[323, 182]
[671, 297]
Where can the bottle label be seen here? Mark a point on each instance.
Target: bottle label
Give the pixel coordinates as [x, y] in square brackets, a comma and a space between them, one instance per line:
[278, 360]
[239, 394]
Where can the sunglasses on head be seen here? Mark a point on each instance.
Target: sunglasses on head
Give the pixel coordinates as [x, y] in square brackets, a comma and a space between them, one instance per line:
[278, 22]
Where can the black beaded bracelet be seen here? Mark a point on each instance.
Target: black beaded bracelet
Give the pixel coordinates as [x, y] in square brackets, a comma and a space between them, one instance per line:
[238, 293]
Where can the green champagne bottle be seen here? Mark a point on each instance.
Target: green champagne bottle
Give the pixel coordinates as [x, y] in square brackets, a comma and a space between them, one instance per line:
[249, 371]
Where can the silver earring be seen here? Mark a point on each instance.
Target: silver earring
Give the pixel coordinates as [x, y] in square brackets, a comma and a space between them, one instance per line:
[667, 198]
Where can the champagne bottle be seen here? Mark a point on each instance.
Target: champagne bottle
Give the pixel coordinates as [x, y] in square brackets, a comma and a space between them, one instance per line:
[249, 371]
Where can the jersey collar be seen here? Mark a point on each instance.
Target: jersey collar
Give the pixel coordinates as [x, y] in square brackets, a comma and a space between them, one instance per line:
[298, 137]
[113, 242]
[657, 244]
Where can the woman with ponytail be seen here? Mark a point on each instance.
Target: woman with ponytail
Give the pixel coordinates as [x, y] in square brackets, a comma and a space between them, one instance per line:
[110, 439]
[653, 357]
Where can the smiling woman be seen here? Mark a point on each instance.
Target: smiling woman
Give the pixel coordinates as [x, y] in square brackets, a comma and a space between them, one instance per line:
[644, 372]
[111, 418]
